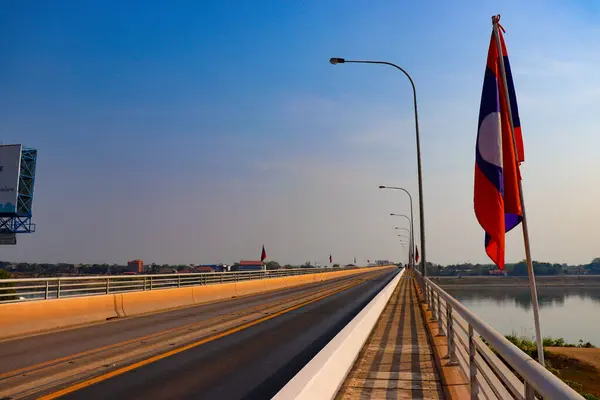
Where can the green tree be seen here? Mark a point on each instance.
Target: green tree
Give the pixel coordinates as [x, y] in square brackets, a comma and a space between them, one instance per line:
[270, 265]
[6, 275]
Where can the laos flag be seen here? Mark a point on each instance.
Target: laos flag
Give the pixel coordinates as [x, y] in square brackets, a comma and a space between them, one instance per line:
[497, 201]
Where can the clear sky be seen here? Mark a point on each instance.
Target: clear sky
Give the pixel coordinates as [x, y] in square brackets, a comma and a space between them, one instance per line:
[195, 132]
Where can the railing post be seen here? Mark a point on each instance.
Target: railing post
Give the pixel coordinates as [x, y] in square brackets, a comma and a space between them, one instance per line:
[47, 290]
[107, 285]
[472, 365]
[433, 313]
[450, 330]
[529, 392]
[150, 283]
[440, 322]
[144, 283]
[178, 280]
[58, 289]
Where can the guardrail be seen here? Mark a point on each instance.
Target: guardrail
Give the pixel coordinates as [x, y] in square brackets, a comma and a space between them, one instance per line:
[489, 377]
[31, 289]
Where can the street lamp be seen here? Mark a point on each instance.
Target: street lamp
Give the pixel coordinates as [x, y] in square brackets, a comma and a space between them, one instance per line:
[404, 239]
[337, 60]
[411, 244]
[402, 215]
[412, 220]
[404, 245]
[402, 228]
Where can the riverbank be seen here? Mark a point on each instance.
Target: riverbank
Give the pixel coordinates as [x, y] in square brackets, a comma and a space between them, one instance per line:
[576, 365]
[516, 281]
[580, 365]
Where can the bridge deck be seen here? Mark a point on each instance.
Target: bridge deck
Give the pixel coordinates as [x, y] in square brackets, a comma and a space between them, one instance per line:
[397, 360]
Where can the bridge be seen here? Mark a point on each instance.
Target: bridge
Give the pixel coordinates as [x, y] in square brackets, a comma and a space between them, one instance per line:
[345, 333]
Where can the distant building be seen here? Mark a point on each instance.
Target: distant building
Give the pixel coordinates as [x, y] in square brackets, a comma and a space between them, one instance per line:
[575, 270]
[213, 267]
[496, 272]
[205, 268]
[251, 266]
[136, 266]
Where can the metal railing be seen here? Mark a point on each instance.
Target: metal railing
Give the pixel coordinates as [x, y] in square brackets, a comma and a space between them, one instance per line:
[470, 344]
[33, 289]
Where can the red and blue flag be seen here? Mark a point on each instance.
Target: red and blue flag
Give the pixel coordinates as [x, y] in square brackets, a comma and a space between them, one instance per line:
[497, 200]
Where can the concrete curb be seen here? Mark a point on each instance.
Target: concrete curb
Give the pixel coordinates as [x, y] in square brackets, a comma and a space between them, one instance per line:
[322, 377]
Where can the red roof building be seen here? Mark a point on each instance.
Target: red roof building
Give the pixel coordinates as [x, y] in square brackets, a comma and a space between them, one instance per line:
[251, 265]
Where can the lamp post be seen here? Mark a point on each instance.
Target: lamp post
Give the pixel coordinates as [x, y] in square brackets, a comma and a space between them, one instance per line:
[404, 244]
[412, 220]
[337, 60]
[412, 241]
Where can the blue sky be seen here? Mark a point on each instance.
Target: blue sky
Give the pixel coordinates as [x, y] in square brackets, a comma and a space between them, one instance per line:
[188, 132]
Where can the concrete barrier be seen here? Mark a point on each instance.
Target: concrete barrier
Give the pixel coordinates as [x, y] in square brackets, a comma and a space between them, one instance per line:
[323, 376]
[206, 294]
[24, 318]
[136, 303]
[18, 319]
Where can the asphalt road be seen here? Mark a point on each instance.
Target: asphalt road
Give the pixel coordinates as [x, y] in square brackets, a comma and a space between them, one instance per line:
[254, 362]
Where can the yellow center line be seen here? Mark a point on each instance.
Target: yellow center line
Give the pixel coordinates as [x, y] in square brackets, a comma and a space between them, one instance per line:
[36, 367]
[159, 357]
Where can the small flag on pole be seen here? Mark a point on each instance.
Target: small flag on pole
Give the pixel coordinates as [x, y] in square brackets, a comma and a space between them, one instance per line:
[496, 195]
[330, 259]
[417, 254]
[263, 255]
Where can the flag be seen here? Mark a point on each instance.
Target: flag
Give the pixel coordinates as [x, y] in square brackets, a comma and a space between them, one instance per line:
[263, 255]
[330, 259]
[417, 254]
[496, 191]
[354, 260]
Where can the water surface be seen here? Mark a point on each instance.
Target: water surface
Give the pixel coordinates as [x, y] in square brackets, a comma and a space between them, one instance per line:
[572, 313]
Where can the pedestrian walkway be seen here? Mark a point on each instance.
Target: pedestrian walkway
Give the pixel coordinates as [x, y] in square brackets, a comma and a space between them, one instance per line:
[397, 360]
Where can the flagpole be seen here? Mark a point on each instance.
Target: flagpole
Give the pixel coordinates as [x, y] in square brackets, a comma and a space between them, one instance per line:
[532, 285]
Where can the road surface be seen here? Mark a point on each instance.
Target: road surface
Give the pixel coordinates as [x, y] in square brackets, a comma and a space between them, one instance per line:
[241, 348]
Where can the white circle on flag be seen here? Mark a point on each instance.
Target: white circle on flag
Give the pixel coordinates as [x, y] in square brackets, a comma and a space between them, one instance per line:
[490, 139]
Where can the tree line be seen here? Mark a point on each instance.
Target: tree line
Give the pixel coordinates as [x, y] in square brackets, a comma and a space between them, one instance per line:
[515, 269]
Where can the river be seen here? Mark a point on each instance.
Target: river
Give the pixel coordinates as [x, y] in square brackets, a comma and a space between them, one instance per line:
[572, 313]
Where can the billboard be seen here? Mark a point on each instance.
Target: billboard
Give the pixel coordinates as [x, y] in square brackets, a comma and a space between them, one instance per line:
[8, 238]
[10, 165]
